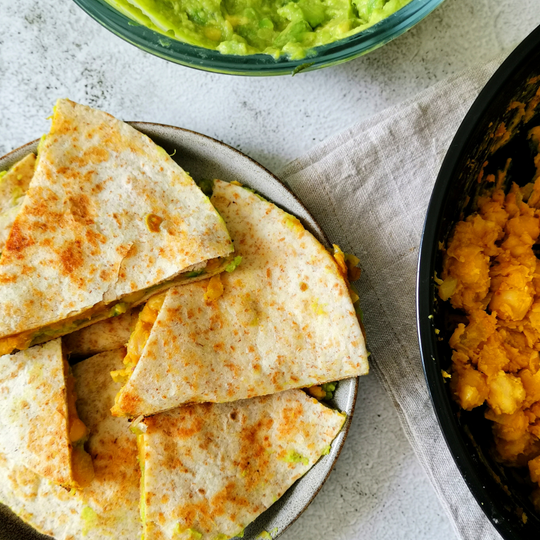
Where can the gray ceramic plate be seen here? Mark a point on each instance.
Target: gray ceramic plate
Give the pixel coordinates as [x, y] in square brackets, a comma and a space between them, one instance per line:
[206, 158]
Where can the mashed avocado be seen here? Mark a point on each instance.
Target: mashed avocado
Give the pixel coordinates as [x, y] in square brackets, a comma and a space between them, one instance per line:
[274, 27]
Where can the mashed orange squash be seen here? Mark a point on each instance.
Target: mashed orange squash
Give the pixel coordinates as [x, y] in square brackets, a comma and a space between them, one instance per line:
[491, 272]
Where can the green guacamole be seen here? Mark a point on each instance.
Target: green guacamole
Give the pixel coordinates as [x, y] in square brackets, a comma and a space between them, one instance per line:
[274, 27]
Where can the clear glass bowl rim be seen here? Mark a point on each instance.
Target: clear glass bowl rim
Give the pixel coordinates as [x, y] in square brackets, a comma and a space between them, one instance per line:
[257, 64]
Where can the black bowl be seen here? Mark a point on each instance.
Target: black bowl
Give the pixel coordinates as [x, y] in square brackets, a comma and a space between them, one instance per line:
[503, 493]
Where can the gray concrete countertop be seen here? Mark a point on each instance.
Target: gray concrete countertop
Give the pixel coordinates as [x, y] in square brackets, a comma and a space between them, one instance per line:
[51, 49]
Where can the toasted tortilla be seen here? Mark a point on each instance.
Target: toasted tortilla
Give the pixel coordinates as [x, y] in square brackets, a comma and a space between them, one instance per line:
[102, 336]
[13, 186]
[108, 507]
[285, 319]
[211, 469]
[34, 412]
[109, 219]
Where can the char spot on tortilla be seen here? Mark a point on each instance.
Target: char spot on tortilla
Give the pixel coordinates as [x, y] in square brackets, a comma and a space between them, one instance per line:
[94, 238]
[253, 457]
[105, 275]
[123, 250]
[98, 188]
[290, 423]
[191, 426]
[27, 270]
[72, 257]
[80, 209]
[94, 155]
[130, 402]
[17, 240]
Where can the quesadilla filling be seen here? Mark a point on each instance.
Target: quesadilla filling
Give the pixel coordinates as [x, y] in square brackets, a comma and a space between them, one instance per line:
[348, 267]
[323, 392]
[104, 310]
[139, 337]
[81, 462]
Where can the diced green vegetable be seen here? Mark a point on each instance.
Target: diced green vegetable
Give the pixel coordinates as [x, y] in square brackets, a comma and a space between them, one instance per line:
[234, 264]
[294, 457]
[118, 309]
[195, 273]
[329, 389]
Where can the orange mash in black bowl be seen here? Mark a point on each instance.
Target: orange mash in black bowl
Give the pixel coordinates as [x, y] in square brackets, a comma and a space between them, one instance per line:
[478, 291]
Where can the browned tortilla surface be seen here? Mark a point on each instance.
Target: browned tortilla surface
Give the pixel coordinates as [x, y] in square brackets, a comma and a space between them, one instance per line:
[108, 507]
[211, 469]
[83, 235]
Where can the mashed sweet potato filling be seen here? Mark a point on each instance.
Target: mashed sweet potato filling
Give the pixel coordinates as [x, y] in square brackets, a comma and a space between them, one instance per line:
[491, 272]
[139, 337]
[81, 462]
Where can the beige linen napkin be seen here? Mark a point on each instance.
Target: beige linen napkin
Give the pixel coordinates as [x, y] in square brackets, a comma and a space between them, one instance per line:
[369, 188]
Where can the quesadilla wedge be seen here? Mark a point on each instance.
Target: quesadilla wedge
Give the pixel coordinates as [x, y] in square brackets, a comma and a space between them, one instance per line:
[13, 186]
[107, 335]
[39, 424]
[109, 219]
[210, 469]
[281, 317]
[108, 507]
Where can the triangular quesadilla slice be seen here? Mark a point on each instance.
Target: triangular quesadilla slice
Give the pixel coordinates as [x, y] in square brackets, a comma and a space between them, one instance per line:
[108, 508]
[109, 219]
[281, 317]
[13, 186]
[39, 424]
[210, 469]
[107, 335]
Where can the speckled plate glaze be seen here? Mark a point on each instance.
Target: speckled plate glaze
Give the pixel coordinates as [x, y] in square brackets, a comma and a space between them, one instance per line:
[207, 158]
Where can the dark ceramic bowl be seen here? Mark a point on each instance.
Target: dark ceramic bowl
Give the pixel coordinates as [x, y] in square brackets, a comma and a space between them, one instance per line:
[503, 493]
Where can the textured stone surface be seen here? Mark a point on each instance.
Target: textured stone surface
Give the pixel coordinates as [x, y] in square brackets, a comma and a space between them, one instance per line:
[51, 49]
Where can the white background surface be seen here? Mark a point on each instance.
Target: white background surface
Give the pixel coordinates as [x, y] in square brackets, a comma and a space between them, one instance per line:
[51, 49]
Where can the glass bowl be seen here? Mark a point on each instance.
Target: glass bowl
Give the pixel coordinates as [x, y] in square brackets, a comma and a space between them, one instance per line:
[257, 64]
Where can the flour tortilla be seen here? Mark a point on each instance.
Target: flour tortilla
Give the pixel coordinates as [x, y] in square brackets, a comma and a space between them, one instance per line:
[13, 186]
[108, 507]
[211, 469]
[285, 319]
[102, 336]
[34, 412]
[81, 240]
